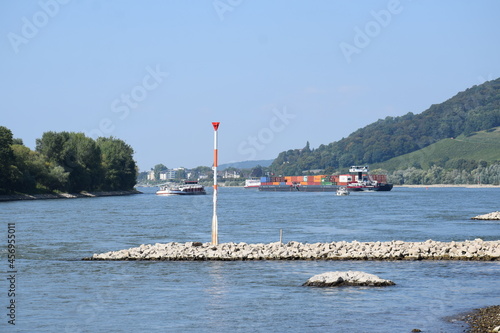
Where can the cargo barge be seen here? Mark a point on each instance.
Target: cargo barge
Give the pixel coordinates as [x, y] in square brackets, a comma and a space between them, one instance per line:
[360, 180]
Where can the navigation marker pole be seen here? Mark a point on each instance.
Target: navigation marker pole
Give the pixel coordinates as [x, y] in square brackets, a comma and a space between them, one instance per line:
[215, 227]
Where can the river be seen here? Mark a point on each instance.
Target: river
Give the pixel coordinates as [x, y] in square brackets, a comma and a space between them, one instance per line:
[56, 291]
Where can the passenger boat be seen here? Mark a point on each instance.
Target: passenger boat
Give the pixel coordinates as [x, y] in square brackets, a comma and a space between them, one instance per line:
[252, 183]
[188, 188]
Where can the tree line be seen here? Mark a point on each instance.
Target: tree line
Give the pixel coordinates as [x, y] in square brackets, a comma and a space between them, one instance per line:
[475, 109]
[65, 162]
[481, 174]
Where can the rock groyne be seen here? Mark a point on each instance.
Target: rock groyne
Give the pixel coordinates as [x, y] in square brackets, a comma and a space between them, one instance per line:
[394, 250]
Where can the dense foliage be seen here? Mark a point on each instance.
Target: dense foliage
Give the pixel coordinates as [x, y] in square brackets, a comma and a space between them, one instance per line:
[469, 172]
[475, 109]
[67, 162]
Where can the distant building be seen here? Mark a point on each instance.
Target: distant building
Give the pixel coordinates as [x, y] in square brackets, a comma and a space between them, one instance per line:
[163, 175]
[151, 175]
[231, 174]
[170, 174]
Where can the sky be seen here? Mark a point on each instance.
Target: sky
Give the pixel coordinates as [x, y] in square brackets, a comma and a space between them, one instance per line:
[275, 74]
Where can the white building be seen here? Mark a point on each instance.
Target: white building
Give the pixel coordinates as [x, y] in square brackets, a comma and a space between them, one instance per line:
[169, 174]
[151, 175]
[230, 174]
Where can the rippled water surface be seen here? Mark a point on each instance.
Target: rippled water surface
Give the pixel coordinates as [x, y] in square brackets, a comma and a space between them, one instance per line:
[56, 291]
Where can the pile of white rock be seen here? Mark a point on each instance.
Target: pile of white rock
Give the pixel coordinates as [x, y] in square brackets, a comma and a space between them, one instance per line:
[349, 278]
[489, 216]
[394, 250]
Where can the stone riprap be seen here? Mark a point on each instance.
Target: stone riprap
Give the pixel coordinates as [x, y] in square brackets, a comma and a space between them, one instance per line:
[348, 278]
[395, 250]
[83, 194]
[489, 216]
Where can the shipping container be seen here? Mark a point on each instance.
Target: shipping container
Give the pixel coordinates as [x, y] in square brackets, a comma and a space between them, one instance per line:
[264, 179]
[379, 178]
[303, 183]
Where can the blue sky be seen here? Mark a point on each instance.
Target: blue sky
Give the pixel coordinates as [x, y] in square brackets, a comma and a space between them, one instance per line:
[276, 74]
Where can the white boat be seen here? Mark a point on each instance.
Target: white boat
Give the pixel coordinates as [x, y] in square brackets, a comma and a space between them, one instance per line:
[342, 191]
[188, 188]
[252, 183]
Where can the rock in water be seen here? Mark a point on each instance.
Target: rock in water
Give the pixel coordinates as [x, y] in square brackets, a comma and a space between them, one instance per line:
[489, 216]
[349, 278]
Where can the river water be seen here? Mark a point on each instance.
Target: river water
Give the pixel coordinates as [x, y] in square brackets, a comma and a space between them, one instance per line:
[57, 292]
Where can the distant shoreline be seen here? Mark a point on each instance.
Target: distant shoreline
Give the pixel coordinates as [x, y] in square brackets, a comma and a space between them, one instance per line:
[453, 185]
[83, 194]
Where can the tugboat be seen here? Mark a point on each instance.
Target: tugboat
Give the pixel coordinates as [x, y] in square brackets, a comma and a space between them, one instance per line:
[365, 182]
[188, 188]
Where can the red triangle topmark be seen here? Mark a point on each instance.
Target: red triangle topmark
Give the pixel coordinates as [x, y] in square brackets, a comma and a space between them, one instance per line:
[216, 126]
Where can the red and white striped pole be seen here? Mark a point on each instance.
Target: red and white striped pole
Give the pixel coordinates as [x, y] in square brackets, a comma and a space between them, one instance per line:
[215, 227]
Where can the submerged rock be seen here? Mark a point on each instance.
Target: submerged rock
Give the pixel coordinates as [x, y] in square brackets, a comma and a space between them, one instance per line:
[349, 278]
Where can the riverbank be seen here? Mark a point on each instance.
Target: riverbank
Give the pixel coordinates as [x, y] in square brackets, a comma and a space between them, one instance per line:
[484, 320]
[84, 194]
[394, 250]
[451, 185]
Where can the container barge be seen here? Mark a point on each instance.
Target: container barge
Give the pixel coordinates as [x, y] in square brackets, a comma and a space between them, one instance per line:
[359, 180]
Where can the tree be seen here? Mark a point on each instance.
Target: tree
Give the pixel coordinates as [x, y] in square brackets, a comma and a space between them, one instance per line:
[257, 172]
[82, 159]
[7, 170]
[159, 168]
[52, 146]
[120, 170]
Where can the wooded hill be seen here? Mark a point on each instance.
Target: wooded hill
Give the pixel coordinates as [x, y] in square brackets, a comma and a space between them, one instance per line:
[475, 109]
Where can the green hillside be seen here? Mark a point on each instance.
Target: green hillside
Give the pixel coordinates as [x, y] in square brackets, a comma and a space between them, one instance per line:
[450, 153]
[473, 110]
